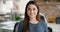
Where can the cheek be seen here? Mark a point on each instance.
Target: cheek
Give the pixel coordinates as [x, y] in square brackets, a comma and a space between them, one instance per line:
[36, 12]
[28, 12]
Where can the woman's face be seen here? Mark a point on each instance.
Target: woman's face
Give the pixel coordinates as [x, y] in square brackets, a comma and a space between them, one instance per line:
[32, 11]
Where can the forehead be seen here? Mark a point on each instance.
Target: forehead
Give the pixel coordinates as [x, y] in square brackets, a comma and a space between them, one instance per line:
[32, 6]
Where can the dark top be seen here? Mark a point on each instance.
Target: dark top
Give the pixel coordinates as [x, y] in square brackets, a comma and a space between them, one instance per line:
[39, 27]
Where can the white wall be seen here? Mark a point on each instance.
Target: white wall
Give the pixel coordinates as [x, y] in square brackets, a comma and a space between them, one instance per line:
[9, 4]
[22, 6]
[4, 8]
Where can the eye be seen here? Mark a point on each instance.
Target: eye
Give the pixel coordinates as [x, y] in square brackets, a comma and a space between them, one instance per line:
[34, 9]
[28, 9]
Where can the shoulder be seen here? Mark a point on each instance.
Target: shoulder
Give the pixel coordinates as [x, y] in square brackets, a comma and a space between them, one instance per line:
[43, 23]
[21, 22]
[45, 26]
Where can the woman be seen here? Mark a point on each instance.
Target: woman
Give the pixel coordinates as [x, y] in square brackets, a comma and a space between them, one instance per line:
[32, 21]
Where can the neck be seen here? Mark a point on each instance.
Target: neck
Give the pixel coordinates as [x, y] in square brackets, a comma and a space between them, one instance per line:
[33, 20]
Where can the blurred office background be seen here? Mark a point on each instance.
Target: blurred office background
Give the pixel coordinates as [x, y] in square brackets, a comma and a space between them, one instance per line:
[12, 11]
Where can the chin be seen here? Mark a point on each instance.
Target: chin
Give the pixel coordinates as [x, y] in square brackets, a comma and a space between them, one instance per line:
[31, 16]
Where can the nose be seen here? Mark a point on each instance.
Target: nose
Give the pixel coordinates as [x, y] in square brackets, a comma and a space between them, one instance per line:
[31, 11]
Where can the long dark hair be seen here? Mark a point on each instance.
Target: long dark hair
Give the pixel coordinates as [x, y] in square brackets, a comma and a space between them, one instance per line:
[26, 19]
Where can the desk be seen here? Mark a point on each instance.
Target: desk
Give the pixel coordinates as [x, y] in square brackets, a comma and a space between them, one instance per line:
[7, 26]
[55, 27]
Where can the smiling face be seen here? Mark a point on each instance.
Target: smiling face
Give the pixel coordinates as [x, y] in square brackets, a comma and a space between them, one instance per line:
[32, 11]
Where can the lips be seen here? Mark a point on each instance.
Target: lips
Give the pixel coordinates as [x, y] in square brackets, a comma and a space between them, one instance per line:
[31, 14]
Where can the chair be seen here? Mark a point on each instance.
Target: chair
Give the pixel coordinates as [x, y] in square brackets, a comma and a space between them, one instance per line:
[43, 18]
[16, 27]
[49, 29]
